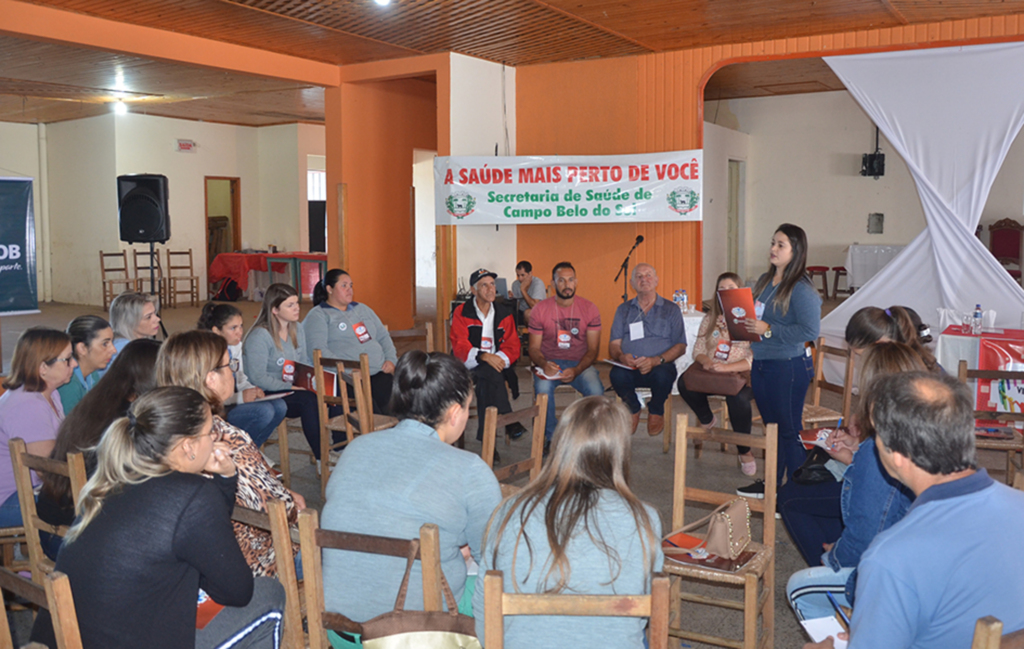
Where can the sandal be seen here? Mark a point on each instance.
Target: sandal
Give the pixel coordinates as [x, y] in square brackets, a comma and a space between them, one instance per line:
[747, 468]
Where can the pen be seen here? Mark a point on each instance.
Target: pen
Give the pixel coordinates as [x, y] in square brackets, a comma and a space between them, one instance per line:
[839, 609]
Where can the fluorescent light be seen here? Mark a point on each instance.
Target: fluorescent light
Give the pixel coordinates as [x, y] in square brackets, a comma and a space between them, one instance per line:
[383, 3]
[120, 108]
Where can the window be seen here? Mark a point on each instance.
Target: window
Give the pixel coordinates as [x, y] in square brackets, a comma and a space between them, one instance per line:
[316, 185]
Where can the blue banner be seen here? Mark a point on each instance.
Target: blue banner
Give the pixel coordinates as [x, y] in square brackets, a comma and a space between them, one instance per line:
[18, 289]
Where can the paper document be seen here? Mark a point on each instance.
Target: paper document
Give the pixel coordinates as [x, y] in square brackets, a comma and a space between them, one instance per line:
[617, 364]
[271, 397]
[821, 627]
[539, 372]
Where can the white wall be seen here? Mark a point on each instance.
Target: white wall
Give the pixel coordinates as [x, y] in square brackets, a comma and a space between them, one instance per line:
[19, 157]
[279, 185]
[479, 121]
[426, 242]
[720, 146]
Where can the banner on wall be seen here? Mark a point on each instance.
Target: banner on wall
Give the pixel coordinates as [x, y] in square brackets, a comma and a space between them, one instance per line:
[18, 290]
[479, 190]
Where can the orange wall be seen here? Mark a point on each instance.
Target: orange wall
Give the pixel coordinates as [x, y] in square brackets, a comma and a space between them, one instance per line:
[381, 123]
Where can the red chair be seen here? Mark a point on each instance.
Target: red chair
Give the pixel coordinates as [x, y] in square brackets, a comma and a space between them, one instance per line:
[1005, 244]
[822, 272]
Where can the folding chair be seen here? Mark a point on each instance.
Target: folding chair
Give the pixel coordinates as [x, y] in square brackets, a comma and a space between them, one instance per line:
[180, 262]
[314, 540]
[988, 634]
[1010, 446]
[498, 604]
[114, 272]
[758, 569]
[492, 420]
[814, 412]
[55, 596]
[24, 463]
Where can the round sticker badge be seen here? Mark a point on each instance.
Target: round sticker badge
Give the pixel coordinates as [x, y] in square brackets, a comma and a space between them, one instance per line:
[739, 312]
[280, 362]
[715, 334]
[342, 326]
[574, 331]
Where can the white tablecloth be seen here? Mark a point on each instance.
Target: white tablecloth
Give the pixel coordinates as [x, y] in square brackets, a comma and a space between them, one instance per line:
[863, 262]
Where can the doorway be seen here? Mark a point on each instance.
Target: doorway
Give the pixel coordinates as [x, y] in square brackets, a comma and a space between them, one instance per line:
[223, 217]
[424, 238]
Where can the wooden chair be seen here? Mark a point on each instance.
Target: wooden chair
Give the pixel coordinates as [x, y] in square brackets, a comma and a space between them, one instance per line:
[280, 438]
[144, 262]
[814, 413]
[1010, 446]
[55, 596]
[275, 521]
[114, 273]
[314, 540]
[759, 568]
[840, 271]
[24, 463]
[410, 338]
[822, 272]
[498, 604]
[180, 262]
[1005, 245]
[988, 634]
[492, 420]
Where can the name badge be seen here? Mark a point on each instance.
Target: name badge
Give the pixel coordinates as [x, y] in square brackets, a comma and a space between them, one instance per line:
[564, 337]
[287, 371]
[758, 309]
[361, 332]
[722, 350]
[486, 344]
[636, 330]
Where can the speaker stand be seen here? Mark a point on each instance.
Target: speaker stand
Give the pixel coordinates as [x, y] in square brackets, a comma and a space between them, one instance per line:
[152, 285]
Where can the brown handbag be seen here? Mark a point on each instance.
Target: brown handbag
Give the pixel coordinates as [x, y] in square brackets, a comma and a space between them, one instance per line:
[698, 379]
[728, 529]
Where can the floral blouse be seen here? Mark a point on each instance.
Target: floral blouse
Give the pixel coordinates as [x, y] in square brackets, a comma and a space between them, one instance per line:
[739, 351]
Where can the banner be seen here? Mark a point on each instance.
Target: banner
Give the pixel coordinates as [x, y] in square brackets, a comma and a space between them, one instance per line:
[17, 247]
[569, 189]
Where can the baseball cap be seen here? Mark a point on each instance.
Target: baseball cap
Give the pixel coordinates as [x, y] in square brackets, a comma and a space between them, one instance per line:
[479, 274]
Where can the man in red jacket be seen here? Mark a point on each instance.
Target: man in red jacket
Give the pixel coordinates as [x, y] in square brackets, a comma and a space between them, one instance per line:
[483, 336]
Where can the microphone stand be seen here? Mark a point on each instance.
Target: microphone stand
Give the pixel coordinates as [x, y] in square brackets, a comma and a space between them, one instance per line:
[624, 271]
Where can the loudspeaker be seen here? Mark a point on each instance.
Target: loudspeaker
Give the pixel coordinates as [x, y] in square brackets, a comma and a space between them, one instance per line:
[142, 208]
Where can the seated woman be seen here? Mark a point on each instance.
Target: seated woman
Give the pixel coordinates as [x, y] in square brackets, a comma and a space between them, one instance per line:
[135, 589]
[258, 418]
[871, 502]
[276, 337]
[716, 352]
[199, 360]
[31, 407]
[92, 343]
[577, 529]
[129, 376]
[901, 324]
[391, 482]
[342, 328]
[133, 315]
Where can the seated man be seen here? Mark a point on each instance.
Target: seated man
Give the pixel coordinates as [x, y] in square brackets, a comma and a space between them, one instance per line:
[647, 335]
[955, 556]
[565, 333]
[483, 336]
[527, 289]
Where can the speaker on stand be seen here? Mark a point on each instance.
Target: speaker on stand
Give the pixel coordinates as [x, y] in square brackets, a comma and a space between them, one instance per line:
[143, 216]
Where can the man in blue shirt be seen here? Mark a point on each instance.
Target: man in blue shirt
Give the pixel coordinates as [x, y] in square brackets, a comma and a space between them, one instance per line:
[647, 337]
[955, 557]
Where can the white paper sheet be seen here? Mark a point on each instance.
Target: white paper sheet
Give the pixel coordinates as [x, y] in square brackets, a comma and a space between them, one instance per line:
[821, 627]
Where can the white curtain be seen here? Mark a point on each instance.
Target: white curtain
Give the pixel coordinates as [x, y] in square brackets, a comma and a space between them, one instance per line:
[951, 113]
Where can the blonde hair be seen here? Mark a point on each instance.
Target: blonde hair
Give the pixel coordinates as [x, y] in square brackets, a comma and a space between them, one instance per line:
[880, 360]
[126, 313]
[590, 452]
[134, 448]
[187, 357]
[276, 294]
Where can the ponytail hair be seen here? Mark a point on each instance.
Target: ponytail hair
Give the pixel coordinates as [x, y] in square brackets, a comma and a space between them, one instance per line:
[330, 279]
[914, 333]
[216, 315]
[84, 329]
[135, 447]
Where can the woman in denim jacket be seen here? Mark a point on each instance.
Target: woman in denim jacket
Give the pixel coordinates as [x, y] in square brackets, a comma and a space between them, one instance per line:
[871, 501]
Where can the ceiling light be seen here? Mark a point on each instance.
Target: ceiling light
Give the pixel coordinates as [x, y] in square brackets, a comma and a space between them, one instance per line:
[383, 3]
[120, 108]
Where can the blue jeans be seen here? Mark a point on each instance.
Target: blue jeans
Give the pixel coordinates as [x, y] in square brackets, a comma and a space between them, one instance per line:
[10, 511]
[659, 380]
[806, 591]
[588, 383]
[780, 387]
[813, 516]
[260, 419]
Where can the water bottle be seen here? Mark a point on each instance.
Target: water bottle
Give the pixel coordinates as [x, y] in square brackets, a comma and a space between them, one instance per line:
[677, 298]
[976, 323]
[684, 304]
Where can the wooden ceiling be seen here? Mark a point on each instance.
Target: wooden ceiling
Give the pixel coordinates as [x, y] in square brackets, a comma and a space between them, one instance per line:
[46, 82]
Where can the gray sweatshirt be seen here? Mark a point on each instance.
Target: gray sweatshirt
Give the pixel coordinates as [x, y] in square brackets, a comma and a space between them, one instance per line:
[333, 332]
[264, 362]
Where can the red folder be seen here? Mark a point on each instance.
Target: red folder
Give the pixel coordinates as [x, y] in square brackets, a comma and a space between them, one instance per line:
[303, 376]
[738, 304]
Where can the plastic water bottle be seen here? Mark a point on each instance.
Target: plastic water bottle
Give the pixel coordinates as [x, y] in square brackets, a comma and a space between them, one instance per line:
[677, 299]
[976, 323]
[684, 304]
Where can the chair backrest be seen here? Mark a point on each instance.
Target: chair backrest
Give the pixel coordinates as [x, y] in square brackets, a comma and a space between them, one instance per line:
[358, 419]
[988, 634]
[409, 338]
[821, 350]
[492, 421]
[144, 260]
[114, 264]
[24, 463]
[681, 494]
[55, 596]
[180, 260]
[1005, 241]
[498, 604]
[314, 540]
[964, 375]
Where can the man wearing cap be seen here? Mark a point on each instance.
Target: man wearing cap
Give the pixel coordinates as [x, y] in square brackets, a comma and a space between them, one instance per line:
[483, 336]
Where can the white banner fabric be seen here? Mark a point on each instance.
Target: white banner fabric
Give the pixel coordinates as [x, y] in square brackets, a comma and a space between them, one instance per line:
[477, 190]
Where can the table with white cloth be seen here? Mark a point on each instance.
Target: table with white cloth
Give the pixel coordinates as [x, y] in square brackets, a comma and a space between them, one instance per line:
[863, 262]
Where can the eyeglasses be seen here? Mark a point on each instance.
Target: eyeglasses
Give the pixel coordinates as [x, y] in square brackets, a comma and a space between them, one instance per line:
[67, 360]
[220, 367]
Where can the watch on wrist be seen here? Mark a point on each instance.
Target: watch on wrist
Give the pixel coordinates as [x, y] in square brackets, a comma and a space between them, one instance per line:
[768, 332]
[663, 361]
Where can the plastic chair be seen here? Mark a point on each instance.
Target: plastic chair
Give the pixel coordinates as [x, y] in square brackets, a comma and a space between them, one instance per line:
[1010, 446]
[814, 412]
[758, 569]
[822, 272]
[1004, 242]
[113, 273]
[314, 540]
[176, 262]
[498, 604]
[55, 596]
[492, 420]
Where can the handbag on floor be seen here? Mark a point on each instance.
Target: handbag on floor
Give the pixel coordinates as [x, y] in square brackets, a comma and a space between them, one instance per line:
[728, 532]
[698, 379]
[813, 470]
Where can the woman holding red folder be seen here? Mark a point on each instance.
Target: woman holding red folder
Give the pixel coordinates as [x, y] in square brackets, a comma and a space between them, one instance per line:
[788, 310]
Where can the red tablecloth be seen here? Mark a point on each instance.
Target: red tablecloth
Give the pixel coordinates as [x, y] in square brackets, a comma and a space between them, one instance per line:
[236, 265]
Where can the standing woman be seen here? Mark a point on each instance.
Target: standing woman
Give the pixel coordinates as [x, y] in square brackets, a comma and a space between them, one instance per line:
[92, 343]
[133, 315]
[258, 418]
[577, 529]
[788, 310]
[276, 337]
[340, 327]
[152, 531]
[31, 407]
